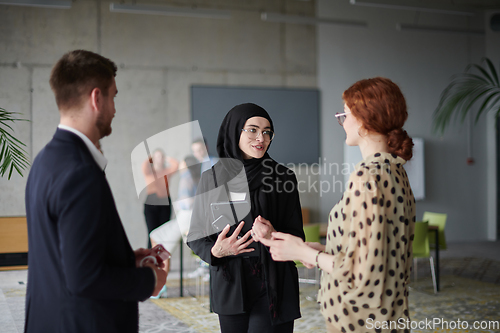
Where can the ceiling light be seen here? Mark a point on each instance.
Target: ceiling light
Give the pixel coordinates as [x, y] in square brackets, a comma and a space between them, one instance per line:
[415, 8]
[170, 11]
[275, 17]
[58, 4]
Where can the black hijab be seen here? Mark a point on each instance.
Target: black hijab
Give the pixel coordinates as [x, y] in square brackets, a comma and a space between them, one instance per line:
[229, 139]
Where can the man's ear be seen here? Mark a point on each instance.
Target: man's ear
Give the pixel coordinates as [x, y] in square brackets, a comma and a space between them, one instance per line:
[96, 98]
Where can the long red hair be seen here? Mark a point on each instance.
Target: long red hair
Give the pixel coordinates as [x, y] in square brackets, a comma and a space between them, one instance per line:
[381, 107]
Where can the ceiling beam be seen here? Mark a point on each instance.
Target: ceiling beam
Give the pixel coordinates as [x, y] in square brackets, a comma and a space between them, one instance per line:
[416, 7]
[412, 27]
[170, 11]
[57, 4]
[281, 18]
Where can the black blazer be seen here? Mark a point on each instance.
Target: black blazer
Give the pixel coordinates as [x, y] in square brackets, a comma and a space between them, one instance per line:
[81, 267]
[227, 282]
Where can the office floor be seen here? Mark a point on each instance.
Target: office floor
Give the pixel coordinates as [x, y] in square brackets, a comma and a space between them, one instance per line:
[470, 288]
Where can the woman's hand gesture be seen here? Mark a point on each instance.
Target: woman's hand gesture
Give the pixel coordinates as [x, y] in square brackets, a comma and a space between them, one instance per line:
[262, 228]
[231, 246]
[284, 247]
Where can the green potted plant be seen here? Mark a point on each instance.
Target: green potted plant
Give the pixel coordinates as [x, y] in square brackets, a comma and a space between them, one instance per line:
[13, 252]
[12, 154]
[476, 90]
[467, 90]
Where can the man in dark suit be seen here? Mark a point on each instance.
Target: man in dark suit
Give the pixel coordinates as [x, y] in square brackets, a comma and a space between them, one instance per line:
[83, 275]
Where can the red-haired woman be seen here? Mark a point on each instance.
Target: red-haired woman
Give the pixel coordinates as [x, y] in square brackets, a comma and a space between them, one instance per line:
[367, 258]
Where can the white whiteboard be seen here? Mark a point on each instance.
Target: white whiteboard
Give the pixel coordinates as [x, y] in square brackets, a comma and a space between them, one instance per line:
[414, 168]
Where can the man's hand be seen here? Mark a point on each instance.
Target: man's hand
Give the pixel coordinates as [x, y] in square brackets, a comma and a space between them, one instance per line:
[161, 277]
[140, 254]
[231, 246]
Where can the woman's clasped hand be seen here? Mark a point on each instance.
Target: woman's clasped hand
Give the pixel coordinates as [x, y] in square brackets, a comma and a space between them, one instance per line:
[262, 228]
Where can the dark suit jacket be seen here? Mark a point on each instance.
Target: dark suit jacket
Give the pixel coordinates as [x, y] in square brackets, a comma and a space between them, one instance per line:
[81, 267]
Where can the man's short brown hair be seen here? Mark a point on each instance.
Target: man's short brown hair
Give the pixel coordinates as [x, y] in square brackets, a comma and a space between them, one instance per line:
[77, 73]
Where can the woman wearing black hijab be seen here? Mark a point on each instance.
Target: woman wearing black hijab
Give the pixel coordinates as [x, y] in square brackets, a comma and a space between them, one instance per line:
[249, 291]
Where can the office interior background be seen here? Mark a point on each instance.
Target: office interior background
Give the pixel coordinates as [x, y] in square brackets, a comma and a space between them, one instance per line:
[323, 44]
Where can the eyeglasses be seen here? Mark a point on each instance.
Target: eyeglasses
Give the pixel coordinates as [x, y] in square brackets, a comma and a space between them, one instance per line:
[341, 117]
[253, 134]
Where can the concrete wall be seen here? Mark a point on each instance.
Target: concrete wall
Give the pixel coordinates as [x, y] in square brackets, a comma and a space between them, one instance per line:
[159, 57]
[421, 63]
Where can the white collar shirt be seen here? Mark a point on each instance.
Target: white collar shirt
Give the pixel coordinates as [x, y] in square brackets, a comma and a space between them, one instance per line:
[96, 154]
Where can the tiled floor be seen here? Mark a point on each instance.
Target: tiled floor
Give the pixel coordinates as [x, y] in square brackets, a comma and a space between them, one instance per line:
[166, 315]
[153, 319]
[12, 296]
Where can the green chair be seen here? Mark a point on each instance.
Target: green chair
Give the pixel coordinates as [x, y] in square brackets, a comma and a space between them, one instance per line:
[421, 249]
[312, 235]
[439, 220]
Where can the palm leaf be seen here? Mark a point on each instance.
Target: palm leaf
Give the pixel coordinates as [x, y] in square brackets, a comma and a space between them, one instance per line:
[12, 155]
[487, 76]
[465, 92]
[492, 70]
[476, 93]
[495, 96]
